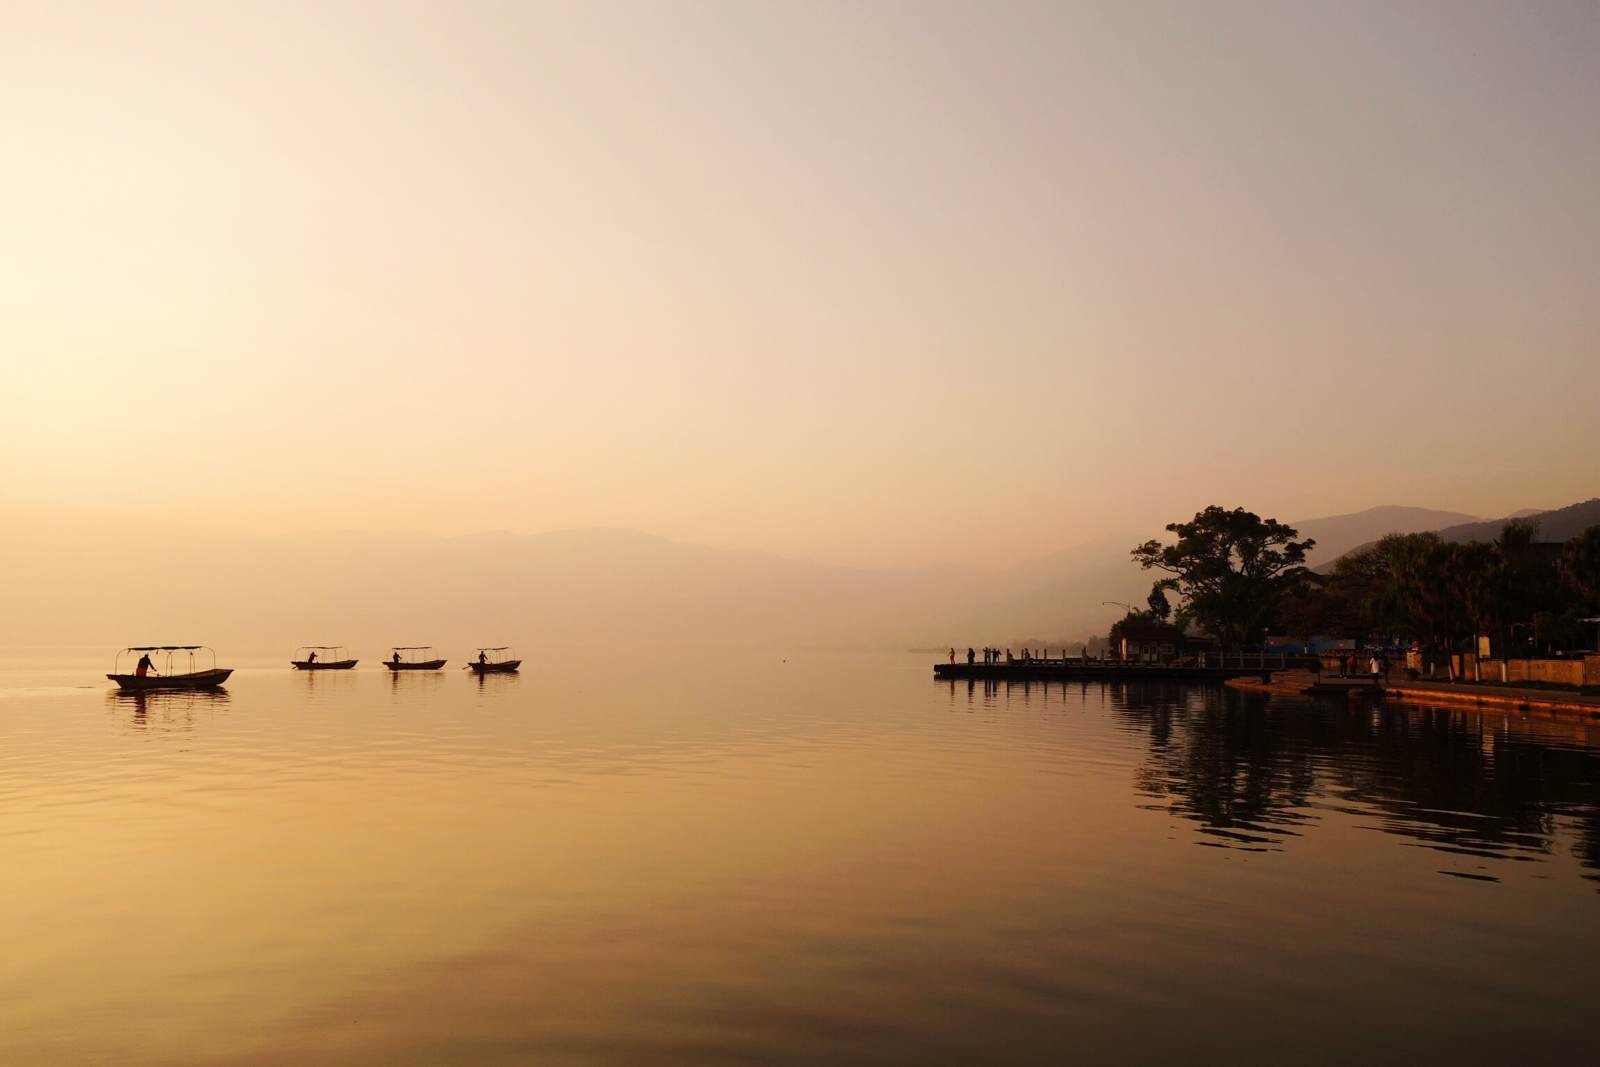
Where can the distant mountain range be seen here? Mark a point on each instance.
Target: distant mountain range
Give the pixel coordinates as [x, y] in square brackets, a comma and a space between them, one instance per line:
[1338, 534]
[1558, 524]
[77, 582]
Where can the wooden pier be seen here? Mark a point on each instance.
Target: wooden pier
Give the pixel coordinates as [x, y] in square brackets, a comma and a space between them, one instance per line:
[1095, 671]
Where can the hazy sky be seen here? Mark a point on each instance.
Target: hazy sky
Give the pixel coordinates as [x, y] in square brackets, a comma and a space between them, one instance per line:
[866, 282]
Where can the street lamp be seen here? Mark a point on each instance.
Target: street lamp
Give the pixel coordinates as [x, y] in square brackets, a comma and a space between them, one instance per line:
[1119, 604]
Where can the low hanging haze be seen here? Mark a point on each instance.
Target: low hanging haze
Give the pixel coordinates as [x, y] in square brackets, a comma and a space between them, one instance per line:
[887, 283]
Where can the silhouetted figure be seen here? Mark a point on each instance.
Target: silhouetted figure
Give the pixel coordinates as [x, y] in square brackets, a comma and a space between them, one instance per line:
[483, 657]
[312, 658]
[144, 666]
[396, 659]
[952, 653]
[1008, 655]
[970, 655]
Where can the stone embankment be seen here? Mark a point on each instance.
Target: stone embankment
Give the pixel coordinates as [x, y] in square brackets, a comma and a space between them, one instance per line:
[1403, 690]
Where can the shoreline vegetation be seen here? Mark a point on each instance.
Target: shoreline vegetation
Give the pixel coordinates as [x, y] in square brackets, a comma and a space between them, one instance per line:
[1412, 605]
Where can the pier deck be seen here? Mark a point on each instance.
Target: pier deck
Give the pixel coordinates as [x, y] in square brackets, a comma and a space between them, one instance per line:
[1097, 670]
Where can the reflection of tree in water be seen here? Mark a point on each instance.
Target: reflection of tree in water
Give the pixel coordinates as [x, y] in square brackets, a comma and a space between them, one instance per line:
[1252, 771]
[1233, 770]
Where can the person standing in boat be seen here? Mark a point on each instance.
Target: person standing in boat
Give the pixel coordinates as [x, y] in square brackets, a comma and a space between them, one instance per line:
[144, 666]
[312, 658]
[483, 657]
[396, 660]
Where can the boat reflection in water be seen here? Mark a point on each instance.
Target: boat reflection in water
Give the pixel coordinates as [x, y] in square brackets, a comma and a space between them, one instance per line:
[170, 707]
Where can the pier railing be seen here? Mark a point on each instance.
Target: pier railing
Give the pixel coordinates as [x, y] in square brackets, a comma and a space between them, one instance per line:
[1231, 661]
[1265, 661]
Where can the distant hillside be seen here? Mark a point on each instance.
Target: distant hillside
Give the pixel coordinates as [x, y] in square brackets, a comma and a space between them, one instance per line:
[593, 587]
[1559, 524]
[1338, 534]
[73, 581]
[1562, 524]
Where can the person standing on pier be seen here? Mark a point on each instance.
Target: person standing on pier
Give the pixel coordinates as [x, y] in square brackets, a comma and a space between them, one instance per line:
[970, 656]
[952, 654]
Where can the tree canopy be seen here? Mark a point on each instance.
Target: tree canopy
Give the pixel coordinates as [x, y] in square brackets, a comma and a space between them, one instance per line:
[1580, 566]
[1526, 594]
[1232, 570]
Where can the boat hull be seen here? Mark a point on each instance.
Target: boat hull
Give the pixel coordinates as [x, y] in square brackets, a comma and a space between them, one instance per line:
[426, 665]
[331, 665]
[508, 667]
[198, 680]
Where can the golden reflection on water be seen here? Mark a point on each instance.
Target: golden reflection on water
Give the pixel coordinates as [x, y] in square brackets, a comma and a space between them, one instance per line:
[837, 860]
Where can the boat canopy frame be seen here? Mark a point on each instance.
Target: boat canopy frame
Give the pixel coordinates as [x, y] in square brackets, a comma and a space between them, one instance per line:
[395, 650]
[170, 650]
[326, 648]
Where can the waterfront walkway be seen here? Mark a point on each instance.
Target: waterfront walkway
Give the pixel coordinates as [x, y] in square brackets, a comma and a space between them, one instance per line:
[1424, 691]
[1428, 692]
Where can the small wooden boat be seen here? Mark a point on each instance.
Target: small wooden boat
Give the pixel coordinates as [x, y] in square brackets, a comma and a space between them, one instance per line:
[323, 658]
[502, 660]
[182, 674]
[413, 658]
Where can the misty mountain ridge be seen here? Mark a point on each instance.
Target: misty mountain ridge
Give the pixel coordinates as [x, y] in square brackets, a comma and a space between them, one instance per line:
[1337, 534]
[1554, 525]
[99, 583]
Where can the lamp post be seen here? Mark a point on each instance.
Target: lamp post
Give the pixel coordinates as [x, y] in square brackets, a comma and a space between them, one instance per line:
[1119, 604]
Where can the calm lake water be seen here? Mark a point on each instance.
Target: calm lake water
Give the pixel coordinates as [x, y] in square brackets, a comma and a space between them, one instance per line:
[831, 858]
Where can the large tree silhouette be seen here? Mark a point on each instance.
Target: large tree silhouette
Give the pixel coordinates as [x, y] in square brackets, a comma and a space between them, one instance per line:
[1231, 568]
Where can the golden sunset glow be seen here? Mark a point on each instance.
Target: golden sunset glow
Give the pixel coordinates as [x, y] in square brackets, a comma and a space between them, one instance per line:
[833, 281]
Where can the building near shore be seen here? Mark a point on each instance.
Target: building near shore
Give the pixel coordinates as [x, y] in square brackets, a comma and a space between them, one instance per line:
[1148, 641]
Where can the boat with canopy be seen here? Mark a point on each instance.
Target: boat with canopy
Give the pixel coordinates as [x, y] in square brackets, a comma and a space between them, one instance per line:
[413, 658]
[499, 660]
[181, 668]
[322, 658]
